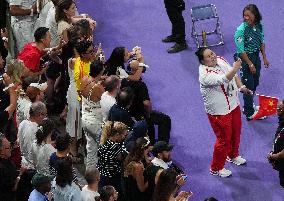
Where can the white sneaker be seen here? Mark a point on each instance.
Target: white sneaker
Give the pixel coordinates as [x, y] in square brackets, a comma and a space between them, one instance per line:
[221, 173]
[237, 161]
[255, 107]
[252, 116]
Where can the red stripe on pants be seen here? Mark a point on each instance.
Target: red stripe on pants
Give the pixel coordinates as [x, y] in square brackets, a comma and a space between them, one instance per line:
[227, 129]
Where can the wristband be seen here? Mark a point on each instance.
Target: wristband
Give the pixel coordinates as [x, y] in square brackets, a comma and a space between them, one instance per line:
[32, 12]
[251, 65]
[8, 87]
[143, 65]
[5, 39]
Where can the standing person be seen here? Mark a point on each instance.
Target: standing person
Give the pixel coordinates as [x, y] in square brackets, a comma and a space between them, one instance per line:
[42, 147]
[23, 18]
[249, 40]
[92, 119]
[65, 189]
[42, 186]
[174, 10]
[27, 130]
[276, 157]
[32, 53]
[90, 191]
[8, 171]
[111, 153]
[219, 85]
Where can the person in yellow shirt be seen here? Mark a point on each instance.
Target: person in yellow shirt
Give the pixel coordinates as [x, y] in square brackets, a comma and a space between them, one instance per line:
[82, 63]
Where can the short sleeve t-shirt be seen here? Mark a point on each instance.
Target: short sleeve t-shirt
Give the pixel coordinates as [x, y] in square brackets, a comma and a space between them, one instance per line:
[31, 56]
[249, 39]
[106, 103]
[62, 26]
[140, 90]
[88, 195]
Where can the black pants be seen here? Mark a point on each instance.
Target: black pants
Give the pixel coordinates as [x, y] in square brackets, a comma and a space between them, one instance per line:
[251, 81]
[281, 177]
[178, 24]
[163, 122]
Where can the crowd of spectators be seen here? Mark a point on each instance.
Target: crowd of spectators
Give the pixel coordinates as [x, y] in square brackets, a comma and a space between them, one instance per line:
[50, 72]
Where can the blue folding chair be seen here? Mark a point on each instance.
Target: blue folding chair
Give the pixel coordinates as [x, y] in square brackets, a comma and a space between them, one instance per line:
[201, 13]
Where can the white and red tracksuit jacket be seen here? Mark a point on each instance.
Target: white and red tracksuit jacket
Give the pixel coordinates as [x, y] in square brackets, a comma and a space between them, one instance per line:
[219, 95]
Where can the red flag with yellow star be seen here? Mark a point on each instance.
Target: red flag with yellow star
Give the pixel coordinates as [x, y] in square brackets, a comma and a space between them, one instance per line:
[267, 106]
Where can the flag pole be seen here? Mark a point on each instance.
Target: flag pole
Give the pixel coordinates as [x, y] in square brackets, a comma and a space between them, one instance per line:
[267, 96]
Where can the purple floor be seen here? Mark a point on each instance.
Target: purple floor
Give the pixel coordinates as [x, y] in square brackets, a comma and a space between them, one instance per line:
[174, 89]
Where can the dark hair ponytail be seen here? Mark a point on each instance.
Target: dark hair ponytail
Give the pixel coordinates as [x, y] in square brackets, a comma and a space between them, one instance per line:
[44, 129]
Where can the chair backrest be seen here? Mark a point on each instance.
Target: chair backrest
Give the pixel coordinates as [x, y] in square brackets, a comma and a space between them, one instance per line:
[203, 12]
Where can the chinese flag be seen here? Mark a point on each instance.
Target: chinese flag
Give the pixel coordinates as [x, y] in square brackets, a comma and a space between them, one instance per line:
[267, 106]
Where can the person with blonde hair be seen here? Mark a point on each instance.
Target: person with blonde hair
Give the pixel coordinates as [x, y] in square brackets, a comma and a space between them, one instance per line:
[110, 154]
[17, 71]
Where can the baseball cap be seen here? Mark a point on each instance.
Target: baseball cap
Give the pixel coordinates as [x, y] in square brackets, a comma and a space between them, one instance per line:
[39, 179]
[161, 146]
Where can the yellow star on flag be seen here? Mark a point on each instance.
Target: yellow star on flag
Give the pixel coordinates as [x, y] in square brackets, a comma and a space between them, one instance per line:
[271, 103]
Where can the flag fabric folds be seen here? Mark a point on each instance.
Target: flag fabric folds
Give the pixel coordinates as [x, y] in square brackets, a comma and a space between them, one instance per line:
[267, 106]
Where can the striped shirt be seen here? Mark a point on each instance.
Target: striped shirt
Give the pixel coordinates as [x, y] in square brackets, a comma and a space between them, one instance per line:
[109, 164]
[249, 39]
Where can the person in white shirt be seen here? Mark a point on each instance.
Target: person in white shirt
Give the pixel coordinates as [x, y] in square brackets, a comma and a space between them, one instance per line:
[42, 147]
[112, 86]
[90, 191]
[23, 18]
[43, 9]
[27, 130]
[219, 86]
[52, 24]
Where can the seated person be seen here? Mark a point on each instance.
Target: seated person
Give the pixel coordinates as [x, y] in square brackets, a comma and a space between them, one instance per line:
[115, 64]
[112, 86]
[141, 108]
[120, 110]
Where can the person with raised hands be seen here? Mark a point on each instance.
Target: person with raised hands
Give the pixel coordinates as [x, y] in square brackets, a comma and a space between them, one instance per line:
[219, 86]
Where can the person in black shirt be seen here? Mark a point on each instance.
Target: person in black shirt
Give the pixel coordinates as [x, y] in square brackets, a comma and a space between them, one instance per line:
[8, 171]
[141, 109]
[174, 10]
[276, 156]
[120, 110]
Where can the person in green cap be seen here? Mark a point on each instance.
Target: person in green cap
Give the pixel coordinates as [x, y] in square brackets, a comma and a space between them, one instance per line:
[42, 184]
[249, 40]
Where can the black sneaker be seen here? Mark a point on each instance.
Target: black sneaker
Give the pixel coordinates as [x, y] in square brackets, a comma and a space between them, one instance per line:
[177, 48]
[168, 39]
